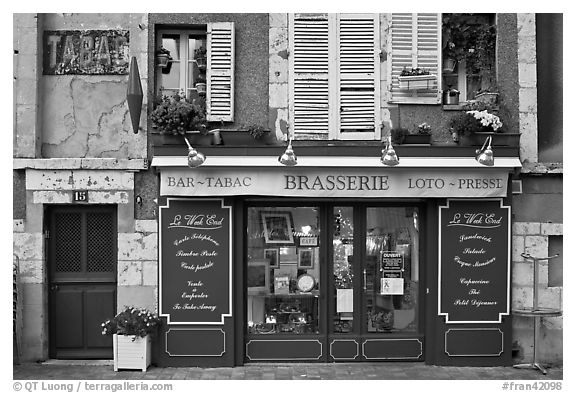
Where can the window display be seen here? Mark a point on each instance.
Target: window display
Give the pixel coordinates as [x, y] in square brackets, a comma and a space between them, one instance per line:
[283, 270]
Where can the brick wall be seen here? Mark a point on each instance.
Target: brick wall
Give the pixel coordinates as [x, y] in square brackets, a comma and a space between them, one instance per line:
[532, 238]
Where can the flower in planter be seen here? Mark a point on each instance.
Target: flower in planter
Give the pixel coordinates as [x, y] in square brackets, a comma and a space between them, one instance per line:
[414, 72]
[487, 119]
[256, 131]
[131, 322]
[424, 128]
[175, 115]
[478, 118]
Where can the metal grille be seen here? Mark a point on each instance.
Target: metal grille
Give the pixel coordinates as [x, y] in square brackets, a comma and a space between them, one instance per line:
[100, 242]
[68, 230]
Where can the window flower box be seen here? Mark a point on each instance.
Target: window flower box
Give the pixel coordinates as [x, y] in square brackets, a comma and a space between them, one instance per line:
[498, 139]
[418, 82]
[131, 352]
[416, 139]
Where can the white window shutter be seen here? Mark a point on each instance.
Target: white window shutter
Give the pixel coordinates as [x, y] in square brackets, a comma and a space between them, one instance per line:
[414, 42]
[220, 72]
[309, 71]
[358, 76]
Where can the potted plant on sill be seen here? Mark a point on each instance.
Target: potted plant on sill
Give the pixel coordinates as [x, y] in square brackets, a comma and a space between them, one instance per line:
[131, 332]
[163, 57]
[473, 126]
[421, 137]
[179, 116]
[416, 79]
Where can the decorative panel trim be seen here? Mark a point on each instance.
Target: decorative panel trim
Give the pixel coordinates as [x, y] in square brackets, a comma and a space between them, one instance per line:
[473, 354]
[393, 358]
[353, 358]
[197, 330]
[285, 358]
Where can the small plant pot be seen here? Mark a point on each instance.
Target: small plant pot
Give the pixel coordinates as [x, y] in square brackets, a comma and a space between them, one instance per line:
[448, 65]
[162, 60]
[201, 87]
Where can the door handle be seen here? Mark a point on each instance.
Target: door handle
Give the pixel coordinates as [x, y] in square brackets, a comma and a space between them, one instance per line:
[364, 279]
[54, 287]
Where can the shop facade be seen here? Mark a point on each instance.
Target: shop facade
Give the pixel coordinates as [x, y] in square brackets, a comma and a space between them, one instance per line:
[339, 258]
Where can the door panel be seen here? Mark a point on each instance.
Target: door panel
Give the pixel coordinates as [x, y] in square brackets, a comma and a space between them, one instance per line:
[82, 273]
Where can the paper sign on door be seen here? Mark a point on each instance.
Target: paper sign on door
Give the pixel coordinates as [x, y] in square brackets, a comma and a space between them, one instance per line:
[344, 300]
[392, 286]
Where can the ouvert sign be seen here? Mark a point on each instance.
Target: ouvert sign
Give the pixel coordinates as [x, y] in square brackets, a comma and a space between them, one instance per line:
[335, 182]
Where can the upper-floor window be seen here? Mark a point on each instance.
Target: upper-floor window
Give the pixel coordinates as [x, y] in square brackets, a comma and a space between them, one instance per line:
[201, 67]
[334, 76]
[468, 53]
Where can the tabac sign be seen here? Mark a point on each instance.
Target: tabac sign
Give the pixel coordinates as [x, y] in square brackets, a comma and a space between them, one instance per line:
[334, 182]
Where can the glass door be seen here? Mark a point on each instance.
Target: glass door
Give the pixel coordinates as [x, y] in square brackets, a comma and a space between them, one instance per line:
[391, 270]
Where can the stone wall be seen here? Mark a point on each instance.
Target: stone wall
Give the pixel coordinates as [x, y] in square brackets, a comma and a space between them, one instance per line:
[532, 238]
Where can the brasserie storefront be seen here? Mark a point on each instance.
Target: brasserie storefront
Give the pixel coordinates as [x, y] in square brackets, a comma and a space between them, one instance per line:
[336, 259]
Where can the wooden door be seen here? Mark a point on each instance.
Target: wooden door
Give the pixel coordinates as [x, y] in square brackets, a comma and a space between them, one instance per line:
[82, 242]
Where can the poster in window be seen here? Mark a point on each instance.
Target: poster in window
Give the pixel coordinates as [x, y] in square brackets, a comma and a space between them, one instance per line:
[277, 227]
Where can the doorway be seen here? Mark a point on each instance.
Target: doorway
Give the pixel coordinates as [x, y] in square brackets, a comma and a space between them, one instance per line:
[82, 252]
[334, 282]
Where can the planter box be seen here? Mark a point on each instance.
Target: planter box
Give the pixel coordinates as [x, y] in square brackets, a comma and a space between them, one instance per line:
[498, 139]
[411, 139]
[418, 82]
[194, 137]
[243, 138]
[132, 352]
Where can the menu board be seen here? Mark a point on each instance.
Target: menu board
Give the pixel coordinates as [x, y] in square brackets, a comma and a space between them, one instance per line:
[195, 261]
[474, 265]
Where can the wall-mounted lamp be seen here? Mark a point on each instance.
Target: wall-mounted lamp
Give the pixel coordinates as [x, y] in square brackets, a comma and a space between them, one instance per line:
[134, 95]
[288, 158]
[195, 158]
[389, 156]
[484, 155]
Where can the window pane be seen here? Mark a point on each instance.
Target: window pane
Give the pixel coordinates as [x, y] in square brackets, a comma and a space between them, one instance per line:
[283, 270]
[172, 43]
[343, 250]
[391, 273]
[171, 76]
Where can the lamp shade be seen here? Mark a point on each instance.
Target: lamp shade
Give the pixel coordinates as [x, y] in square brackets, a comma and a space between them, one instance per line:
[134, 95]
[389, 157]
[288, 158]
[195, 158]
[485, 156]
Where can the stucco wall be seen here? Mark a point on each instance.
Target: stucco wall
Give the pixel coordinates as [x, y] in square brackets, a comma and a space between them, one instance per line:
[87, 115]
[251, 62]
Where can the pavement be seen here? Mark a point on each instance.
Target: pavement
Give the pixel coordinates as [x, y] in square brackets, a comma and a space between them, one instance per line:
[103, 370]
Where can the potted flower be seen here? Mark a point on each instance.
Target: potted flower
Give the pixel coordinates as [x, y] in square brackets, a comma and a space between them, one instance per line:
[131, 332]
[200, 56]
[177, 115]
[416, 79]
[473, 126]
[163, 57]
[422, 136]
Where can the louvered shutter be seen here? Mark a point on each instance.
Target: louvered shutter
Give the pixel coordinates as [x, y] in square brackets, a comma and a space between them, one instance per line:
[414, 42]
[309, 69]
[358, 76]
[220, 73]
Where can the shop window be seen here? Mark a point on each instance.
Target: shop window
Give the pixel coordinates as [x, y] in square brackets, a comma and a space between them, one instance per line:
[468, 54]
[391, 272]
[334, 76]
[283, 270]
[200, 67]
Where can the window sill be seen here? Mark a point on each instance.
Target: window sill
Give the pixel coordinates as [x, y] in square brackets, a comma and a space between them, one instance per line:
[457, 107]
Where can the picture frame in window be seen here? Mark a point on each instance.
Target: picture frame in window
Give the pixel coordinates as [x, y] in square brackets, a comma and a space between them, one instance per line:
[305, 258]
[278, 227]
[258, 277]
[273, 256]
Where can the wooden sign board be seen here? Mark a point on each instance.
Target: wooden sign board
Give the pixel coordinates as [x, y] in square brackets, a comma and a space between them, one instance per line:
[195, 261]
[474, 261]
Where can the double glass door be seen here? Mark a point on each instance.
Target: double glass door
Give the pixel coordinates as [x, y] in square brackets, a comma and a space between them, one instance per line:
[333, 272]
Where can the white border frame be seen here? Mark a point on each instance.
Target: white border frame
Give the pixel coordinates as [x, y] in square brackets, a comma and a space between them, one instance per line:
[264, 214]
[473, 354]
[286, 358]
[440, 313]
[394, 339]
[169, 354]
[160, 263]
[357, 349]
